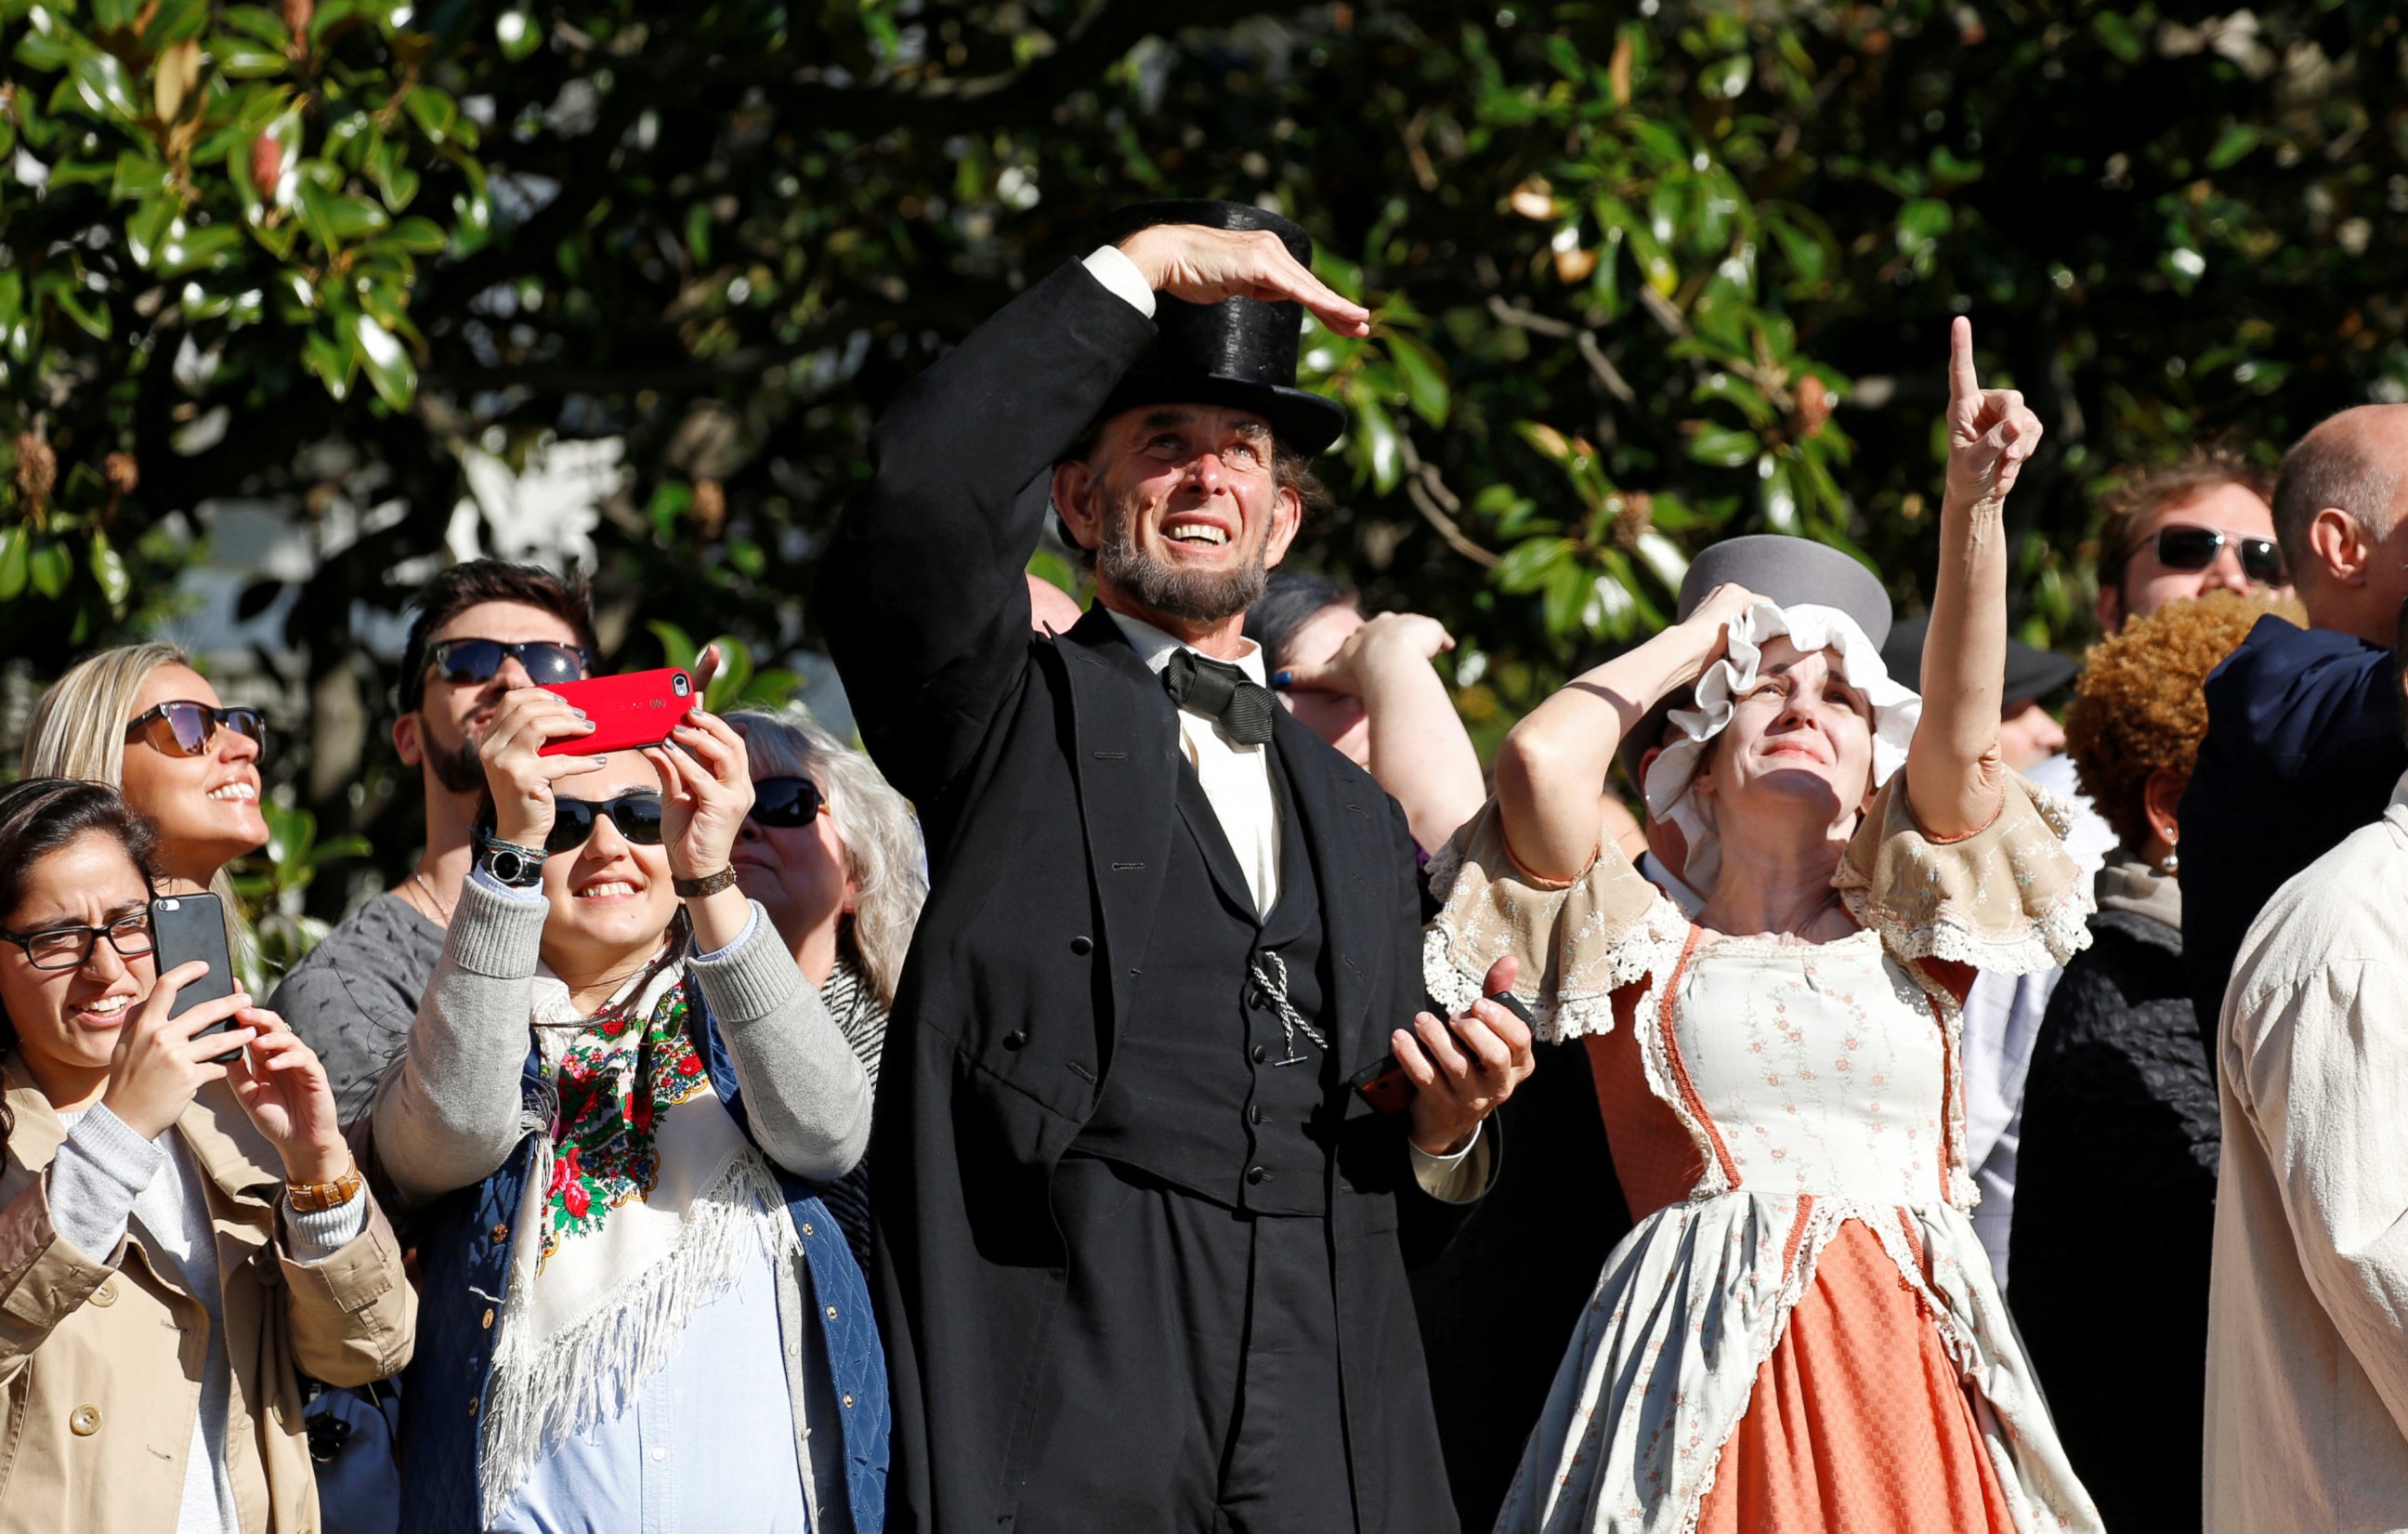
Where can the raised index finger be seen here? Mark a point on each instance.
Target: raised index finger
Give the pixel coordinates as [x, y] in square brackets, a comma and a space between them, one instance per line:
[1963, 382]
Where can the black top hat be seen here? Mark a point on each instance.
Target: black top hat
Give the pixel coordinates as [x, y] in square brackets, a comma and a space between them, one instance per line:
[2031, 674]
[1238, 353]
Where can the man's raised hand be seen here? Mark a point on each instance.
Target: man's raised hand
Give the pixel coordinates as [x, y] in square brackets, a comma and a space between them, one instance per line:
[1990, 431]
[1200, 264]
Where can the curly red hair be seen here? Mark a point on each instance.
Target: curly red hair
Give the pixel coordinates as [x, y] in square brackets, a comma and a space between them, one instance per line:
[2138, 707]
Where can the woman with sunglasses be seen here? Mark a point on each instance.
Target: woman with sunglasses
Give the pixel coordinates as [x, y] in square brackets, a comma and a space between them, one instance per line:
[831, 853]
[615, 1097]
[141, 720]
[177, 1234]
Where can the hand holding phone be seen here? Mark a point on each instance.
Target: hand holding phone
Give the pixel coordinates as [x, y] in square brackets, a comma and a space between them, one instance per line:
[186, 927]
[1388, 1087]
[636, 710]
[163, 1060]
[521, 768]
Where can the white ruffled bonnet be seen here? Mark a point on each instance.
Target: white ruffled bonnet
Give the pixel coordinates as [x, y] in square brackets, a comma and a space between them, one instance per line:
[1670, 782]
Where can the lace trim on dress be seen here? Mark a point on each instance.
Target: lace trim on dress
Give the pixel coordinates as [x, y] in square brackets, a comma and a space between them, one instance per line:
[2005, 900]
[1578, 945]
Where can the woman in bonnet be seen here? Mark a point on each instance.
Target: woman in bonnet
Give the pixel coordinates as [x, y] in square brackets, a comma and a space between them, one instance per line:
[1801, 1331]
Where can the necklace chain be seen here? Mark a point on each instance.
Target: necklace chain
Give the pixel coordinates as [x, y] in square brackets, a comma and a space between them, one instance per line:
[443, 912]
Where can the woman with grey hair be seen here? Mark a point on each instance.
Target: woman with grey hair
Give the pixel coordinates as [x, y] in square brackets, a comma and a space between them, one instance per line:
[833, 853]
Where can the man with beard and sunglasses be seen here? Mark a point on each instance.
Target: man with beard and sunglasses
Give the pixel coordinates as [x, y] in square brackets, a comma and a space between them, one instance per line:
[477, 630]
[1139, 1248]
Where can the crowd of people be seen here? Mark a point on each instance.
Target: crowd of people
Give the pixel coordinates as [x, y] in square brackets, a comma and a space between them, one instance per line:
[1159, 1083]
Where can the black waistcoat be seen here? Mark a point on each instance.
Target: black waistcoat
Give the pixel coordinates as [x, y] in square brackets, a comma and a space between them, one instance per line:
[1196, 1094]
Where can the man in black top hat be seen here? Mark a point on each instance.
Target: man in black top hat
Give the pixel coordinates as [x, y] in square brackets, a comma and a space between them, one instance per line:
[1139, 1243]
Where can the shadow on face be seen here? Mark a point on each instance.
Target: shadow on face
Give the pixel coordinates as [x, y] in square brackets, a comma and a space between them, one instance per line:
[1336, 717]
[1799, 745]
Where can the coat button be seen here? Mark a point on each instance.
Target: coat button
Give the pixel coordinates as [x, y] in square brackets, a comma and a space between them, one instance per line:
[1082, 945]
[1259, 1054]
[1015, 1039]
[487, 1322]
[848, 1401]
[501, 1231]
[831, 1311]
[807, 1227]
[85, 1421]
[472, 1405]
[1256, 1175]
[105, 1294]
[1255, 1114]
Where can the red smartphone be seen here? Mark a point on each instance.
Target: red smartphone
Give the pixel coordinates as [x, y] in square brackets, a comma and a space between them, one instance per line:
[638, 709]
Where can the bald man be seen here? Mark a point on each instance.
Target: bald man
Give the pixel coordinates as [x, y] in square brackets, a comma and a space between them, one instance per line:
[2304, 740]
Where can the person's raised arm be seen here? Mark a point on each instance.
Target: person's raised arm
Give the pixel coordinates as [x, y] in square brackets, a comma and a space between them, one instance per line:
[1419, 750]
[921, 592]
[1551, 771]
[1954, 773]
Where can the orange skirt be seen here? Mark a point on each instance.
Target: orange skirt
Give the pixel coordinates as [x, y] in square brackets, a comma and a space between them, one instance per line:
[1858, 1421]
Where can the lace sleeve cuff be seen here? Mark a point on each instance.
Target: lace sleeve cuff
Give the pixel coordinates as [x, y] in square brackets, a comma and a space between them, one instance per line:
[1577, 942]
[2005, 900]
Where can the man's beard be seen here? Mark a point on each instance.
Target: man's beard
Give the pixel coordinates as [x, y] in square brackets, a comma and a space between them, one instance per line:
[460, 768]
[1196, 597]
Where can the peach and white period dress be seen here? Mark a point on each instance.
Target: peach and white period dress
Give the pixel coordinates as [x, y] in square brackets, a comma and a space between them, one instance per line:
[1801, 1332]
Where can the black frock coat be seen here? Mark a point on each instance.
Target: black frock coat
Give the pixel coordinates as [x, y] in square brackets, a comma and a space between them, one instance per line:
[1045, 773]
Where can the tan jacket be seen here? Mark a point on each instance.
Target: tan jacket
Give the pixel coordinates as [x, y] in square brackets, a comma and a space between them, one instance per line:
[100, 1360]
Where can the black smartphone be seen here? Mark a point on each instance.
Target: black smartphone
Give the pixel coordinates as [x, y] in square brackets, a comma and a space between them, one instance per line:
[1386, 1087]
[184, 927]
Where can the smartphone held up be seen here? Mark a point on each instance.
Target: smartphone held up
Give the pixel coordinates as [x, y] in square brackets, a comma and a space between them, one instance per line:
[628, 712]
[184, 927]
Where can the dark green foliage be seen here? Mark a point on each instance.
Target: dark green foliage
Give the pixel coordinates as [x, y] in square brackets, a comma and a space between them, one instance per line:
[1647, 276]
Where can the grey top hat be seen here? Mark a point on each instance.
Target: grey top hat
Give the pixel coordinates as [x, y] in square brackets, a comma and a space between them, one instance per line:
[1786, 571]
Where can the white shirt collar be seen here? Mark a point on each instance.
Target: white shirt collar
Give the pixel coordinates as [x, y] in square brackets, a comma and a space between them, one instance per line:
[2400, 791]
[1153, 647]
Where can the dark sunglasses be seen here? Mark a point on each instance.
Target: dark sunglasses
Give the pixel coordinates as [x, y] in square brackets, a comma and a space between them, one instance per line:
[2187, 548]
[185, 728]
[787, 802]
[70, 947]
[638, 816]
[468, 661]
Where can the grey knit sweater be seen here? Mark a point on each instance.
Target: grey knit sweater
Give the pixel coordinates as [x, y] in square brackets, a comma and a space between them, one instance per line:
[449, 1114]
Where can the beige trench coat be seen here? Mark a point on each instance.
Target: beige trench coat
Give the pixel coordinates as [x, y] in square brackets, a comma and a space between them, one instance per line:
[101, 1357]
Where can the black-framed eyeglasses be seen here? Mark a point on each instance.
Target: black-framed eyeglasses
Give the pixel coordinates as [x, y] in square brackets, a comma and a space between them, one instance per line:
[184, 727]
[70, 947]
[2189, 548]
[787, 802]
[638, 816]
[466, 662]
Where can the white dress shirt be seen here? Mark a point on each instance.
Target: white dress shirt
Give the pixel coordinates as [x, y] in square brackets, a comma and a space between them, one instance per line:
[2307, 1318]
[1237, 779]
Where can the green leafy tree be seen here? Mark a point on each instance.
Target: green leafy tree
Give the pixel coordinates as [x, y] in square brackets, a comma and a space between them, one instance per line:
[1643, 279]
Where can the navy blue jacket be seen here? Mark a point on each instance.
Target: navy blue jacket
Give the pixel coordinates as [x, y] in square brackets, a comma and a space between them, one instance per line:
[2303, 746]
[464, 1240]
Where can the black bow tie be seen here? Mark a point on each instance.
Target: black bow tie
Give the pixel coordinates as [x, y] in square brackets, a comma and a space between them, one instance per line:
[1220, 691]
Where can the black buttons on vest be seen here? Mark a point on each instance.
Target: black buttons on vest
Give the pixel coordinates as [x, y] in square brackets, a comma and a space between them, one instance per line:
[1082, 945]
[1255, 1114]
[1257, 1176]
[1259, 1054]
[1015, 1039]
